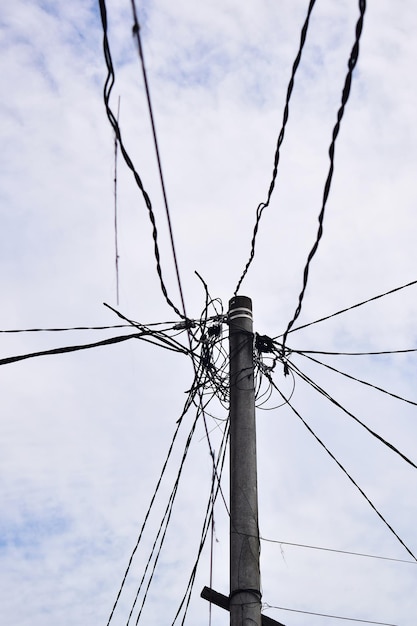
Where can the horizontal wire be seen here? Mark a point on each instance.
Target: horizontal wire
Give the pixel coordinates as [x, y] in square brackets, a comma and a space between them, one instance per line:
[349, 308]
[97, 344]
[349, 619]
[348, 552]
[60, 330]
[354, 353]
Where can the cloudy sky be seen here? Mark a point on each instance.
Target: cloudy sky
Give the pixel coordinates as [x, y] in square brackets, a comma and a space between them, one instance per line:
[84, 435]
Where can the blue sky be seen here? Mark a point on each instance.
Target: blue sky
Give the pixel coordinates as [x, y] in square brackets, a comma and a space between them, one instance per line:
[84, 435]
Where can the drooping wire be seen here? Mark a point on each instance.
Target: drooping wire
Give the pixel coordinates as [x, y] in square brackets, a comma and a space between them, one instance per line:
[345, 96]
[349, 308]
[332, 456]
[280, 140]
[136, 33]
[108, 86]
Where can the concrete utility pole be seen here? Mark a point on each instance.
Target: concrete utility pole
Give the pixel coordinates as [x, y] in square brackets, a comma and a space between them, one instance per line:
[245, 595]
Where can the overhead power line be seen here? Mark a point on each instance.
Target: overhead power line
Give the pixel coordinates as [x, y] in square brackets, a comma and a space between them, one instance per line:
[280, 140]
[136, 33]
[332, 456]
[358, 380]
[349, 619]
[108, 87]
[349, 308]
[347, 552]
[356, 419]
[345, 96]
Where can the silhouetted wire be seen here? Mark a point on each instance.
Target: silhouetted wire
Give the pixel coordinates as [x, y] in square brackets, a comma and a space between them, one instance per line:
[212, 533]
[116, 243]
[144, 336]
[60, 330]
[347, 552]
[265, 605]
[381, 517]
[349, 308]
[158, 484]
[136, 33]
[195, 389]
[358, 380]
[265, 371]
[161, 335]
[379, 352]
[160, 537]
[281, 135]
[342, 408]
[108, 86]
[219, 466]
[186, 407]
[345, 96]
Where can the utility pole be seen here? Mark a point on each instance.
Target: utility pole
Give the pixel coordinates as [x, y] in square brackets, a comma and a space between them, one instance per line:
[245, 595]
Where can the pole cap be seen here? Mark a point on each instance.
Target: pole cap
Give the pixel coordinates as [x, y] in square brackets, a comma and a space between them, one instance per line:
[240, 306]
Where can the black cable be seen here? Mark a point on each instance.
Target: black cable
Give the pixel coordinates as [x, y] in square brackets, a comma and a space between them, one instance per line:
[345, 96]
[116, 242]
[358, 380]
[161, 534]
[379, 352]
[53, 351]
[348, 552]
[381, 517]
[186, 407]
[158, 484]
[170, 342]
[108, 86]
[281, 135]
[136, 33]
[60, 330]
[162, 531]
[349, 308]
[342, 408]
[215, 489]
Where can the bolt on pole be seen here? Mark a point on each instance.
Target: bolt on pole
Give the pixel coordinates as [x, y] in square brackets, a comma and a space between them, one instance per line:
[245, 596]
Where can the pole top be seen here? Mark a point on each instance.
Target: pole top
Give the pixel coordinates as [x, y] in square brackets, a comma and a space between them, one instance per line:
[240, 306]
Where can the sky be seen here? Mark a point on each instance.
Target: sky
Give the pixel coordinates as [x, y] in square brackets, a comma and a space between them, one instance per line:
[84, 435]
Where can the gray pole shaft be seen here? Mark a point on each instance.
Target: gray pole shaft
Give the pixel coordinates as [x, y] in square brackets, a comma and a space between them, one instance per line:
[245, 597]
